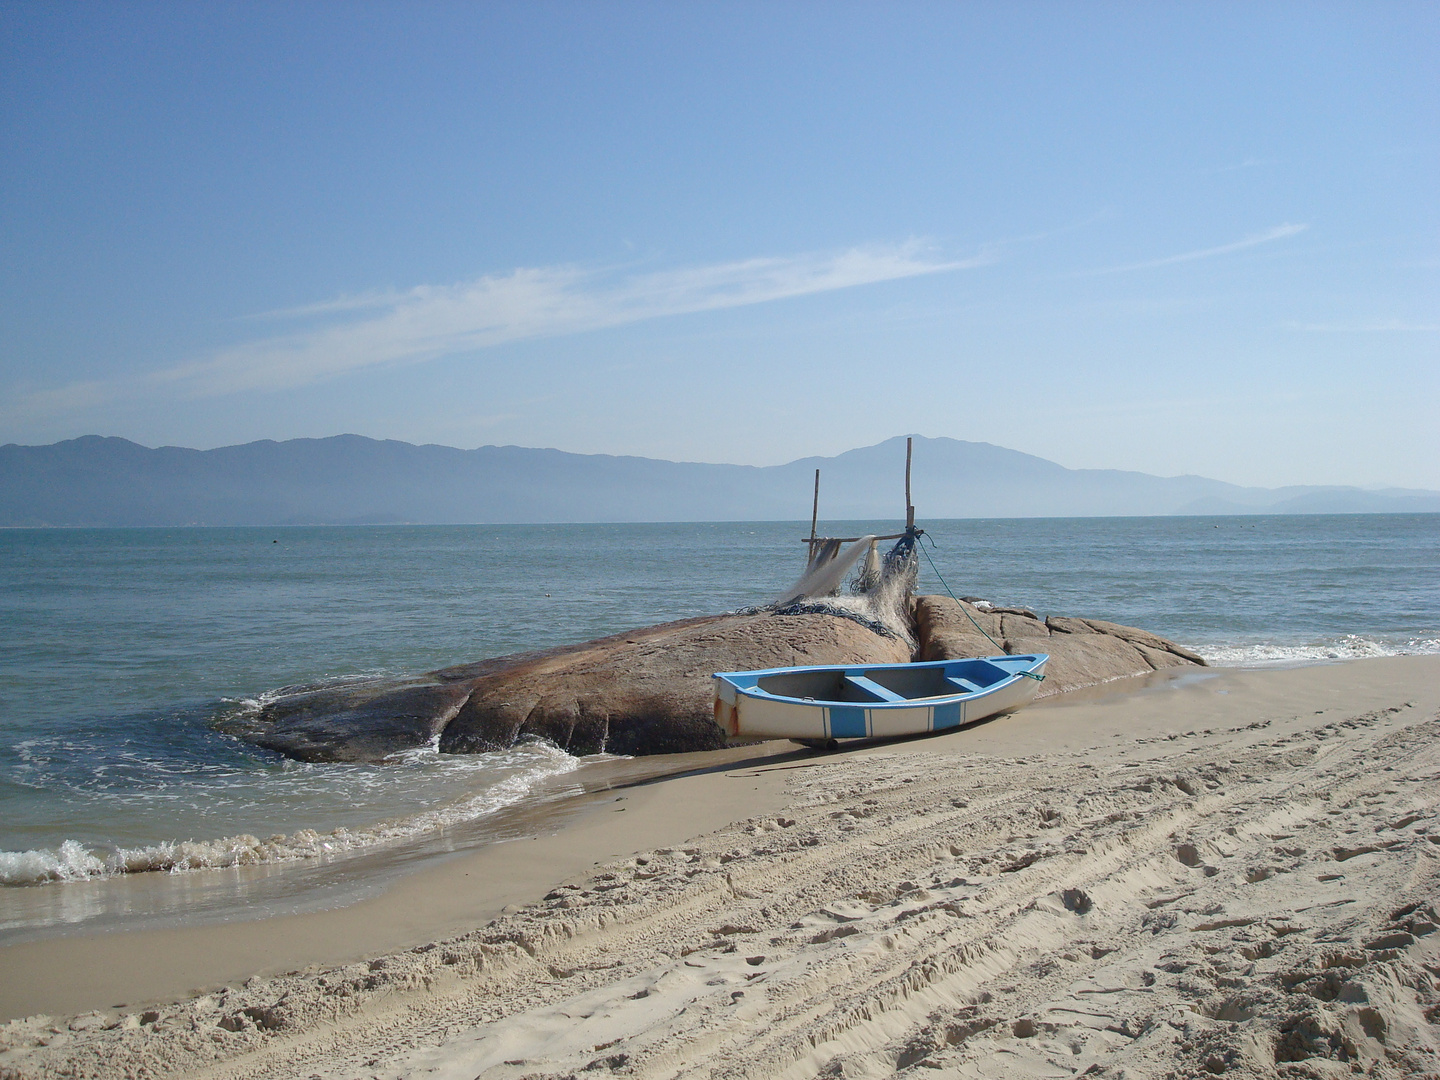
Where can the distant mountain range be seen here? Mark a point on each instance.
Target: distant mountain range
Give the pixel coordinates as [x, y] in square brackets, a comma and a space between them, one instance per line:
[349, 479]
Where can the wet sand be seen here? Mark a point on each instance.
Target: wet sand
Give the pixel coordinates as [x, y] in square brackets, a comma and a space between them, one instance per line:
[1231, 871]
[542, 846]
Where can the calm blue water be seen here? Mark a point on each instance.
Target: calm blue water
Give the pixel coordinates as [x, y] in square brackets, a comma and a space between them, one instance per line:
[119, 648]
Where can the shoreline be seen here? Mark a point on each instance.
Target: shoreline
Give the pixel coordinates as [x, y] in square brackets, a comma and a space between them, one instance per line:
[159, 899]
[540, 846]
[1284, 720]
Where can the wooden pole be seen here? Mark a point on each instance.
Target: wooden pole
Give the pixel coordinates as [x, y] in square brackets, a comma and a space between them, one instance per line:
[909, 509]
[814, 517]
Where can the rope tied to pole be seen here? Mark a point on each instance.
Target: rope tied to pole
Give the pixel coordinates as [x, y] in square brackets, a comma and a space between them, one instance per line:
[1001, 648]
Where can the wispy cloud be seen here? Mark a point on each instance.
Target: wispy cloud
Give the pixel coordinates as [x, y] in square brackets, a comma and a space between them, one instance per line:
[337, 305]
[1381, 326]
[1248, 163]
[1279, 232]
[352, 333]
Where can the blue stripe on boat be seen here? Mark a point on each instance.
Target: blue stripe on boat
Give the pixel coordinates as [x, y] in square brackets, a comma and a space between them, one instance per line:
[946, 716]
[847, 722]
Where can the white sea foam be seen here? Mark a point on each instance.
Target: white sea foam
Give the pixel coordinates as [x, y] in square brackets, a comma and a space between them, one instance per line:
[72, 861]
[1345, 647]
[253, 703]
[69, 862]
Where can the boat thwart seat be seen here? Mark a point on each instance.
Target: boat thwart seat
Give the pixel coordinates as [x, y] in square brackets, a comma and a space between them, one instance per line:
[874, 689]
[964, 684]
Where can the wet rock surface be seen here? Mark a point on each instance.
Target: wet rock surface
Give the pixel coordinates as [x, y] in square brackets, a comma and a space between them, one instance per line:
[363, 721]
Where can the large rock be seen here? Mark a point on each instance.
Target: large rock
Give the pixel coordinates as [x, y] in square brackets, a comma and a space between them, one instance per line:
[648, 691]
[643, 692]
[1083, 652]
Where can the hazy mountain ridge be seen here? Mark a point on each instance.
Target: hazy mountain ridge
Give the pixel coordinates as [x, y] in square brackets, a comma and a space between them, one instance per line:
[350, 479]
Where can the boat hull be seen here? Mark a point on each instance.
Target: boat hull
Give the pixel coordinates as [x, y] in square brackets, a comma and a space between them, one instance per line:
[872, 700]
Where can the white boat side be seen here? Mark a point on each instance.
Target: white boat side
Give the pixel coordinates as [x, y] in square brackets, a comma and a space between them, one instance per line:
[873, 700]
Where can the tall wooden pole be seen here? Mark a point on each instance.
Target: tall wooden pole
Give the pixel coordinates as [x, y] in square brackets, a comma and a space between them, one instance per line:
[814, 517]
[909, 509]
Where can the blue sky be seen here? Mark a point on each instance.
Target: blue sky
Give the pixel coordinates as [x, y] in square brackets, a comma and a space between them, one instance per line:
[1177, 238]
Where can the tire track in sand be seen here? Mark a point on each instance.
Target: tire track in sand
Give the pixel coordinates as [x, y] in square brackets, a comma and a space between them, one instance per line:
[914, 911]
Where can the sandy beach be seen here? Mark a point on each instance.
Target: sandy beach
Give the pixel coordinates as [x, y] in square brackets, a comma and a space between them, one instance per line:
[1230, 872]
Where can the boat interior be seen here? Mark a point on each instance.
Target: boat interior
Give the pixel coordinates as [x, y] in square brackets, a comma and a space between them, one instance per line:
[869, 686]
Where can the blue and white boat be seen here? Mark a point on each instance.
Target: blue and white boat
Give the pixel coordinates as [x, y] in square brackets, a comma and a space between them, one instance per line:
[821, 704]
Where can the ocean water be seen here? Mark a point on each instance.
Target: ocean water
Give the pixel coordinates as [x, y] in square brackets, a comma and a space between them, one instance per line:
[120, 649]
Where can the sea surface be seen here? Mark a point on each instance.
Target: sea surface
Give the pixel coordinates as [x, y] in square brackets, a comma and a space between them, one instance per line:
[121, 648]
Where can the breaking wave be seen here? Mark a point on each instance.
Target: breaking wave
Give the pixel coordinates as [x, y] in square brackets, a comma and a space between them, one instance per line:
[1344, 647]
[73, 861]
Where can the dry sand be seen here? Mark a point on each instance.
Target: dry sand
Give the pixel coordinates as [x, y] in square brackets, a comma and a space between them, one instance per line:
[1235, 873]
